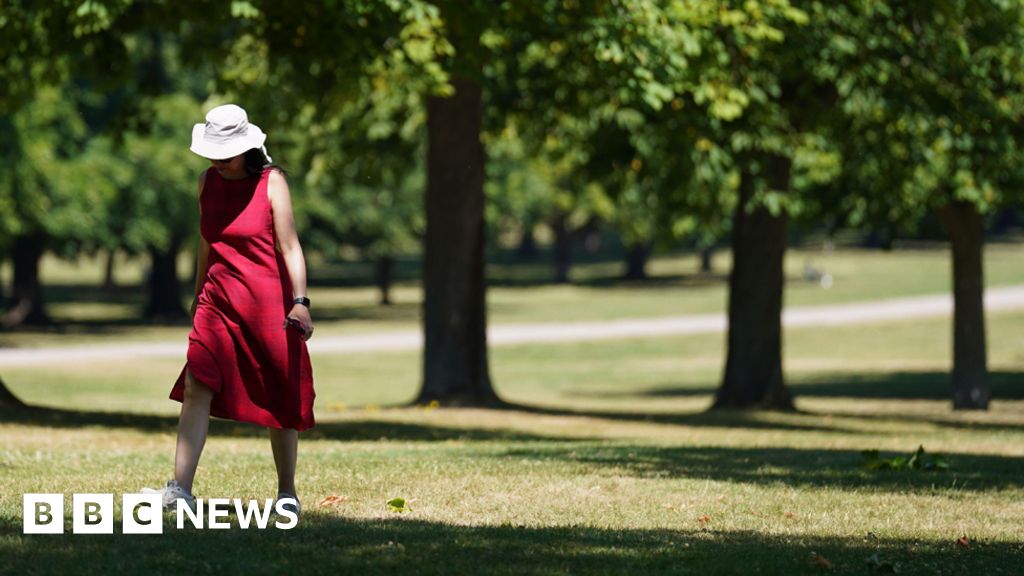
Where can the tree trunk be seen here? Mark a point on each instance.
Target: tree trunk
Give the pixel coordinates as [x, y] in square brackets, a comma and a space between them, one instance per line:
[705, 259]
[753, 369]
[636, 262]
[27, 295]
[563, 247]
[971, 390]
[108, 271]
[385, 266]
[455, 365]
[7, 398]
[528, 244]
[164, 300]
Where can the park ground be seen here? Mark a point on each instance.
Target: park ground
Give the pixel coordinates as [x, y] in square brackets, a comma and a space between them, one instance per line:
[610, 463]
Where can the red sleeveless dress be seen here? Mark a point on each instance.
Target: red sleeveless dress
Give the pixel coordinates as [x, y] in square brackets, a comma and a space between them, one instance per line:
[258, 370]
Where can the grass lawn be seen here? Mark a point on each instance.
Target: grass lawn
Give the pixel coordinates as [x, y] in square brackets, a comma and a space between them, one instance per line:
[611, 465]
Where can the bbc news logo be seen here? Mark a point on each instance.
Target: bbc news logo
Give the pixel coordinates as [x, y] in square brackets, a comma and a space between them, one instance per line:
[143, 514]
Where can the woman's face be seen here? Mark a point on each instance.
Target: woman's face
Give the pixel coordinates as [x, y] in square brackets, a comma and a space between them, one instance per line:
[233, 167]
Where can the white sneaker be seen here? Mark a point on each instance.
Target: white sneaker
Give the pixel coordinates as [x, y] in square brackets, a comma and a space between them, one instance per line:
[291, 503]
[172, 492]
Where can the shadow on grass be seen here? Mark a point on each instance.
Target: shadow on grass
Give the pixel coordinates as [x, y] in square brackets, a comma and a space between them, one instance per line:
[889, 385]
[905, 386]
[706, 419]
[344, 431]
[327, 544]
[783, 466]
[968, 474]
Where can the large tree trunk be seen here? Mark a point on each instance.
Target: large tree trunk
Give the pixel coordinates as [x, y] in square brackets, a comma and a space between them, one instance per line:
[636, 262]
[753, 368]
[971, 389]
[27, 295]
[164, 292]
[385, 266]
[455, 365]
[562, 248]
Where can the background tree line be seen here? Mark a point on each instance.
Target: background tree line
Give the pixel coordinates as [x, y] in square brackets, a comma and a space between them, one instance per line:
[407, 123]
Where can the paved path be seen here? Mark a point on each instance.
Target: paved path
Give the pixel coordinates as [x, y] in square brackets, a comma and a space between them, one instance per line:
[918, 307]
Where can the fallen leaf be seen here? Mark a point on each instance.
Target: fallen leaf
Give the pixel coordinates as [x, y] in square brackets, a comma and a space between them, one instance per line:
[398, 505]
[704, 519]
[963, 542]
[819, 561]
[333, 500]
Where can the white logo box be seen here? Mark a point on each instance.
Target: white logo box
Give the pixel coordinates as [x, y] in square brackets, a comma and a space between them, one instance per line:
[92, 514]
[143, 514]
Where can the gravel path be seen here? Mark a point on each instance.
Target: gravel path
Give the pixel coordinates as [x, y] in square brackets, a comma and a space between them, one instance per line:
[1002, 298]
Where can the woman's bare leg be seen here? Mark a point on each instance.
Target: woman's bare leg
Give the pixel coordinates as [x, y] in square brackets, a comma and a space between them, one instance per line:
[193, 426]
[285, 444]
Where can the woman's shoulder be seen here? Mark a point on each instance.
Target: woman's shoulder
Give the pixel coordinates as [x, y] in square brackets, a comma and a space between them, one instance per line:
[273, 172]
[277, 184]
[275, 177]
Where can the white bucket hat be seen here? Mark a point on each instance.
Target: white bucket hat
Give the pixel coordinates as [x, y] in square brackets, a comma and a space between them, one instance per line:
[226, 134]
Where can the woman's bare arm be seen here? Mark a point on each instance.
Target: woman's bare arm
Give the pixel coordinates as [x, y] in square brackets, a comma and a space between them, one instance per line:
[288, 245]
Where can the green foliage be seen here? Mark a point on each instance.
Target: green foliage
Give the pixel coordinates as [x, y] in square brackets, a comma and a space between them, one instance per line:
[530, 183]
[42, 189]
[919, 460]
[157, 200]
[931, 101]
[647, 114]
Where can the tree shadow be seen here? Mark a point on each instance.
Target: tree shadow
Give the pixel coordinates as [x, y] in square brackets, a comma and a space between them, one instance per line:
[65, 293]
[661, 281]
[889, 386]
[792, 467]
[395, 312]
[904, 386]
[362, 273]
[355, 430]
[120, 322]
[756, 420]
[98, 327]
[885, 386]
[325, 543]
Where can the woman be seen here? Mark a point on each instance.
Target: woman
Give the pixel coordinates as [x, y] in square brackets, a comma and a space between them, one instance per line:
[247, 357]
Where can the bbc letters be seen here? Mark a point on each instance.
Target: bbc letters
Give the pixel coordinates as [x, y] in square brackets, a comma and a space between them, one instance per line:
[143, 514]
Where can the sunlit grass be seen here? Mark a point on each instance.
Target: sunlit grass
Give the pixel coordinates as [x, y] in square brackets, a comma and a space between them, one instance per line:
[611, 465]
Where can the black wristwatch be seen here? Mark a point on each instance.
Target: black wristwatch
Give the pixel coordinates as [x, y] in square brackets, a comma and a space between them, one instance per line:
[302, 300]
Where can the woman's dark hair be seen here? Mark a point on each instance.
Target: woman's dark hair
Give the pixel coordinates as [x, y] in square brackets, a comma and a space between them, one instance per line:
[256, 162]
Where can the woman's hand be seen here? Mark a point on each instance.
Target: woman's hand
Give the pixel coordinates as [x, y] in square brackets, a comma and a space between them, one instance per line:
[300, 314]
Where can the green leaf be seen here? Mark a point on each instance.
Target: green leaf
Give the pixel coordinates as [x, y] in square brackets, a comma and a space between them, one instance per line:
[398, 505]
[919, 460]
